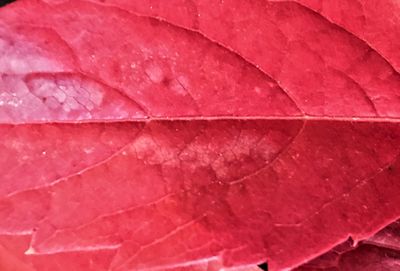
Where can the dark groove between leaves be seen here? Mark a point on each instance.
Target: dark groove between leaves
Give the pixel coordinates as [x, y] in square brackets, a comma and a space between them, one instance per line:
[5, 2]
[263, 266]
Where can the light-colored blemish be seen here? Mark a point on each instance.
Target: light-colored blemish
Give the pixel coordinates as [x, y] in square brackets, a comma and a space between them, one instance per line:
[9, 99]
[257, 90]
[30, 251]
[88, 150]
[153, 153]
[15, 144]
[51, 102]
[68, 95]
[220, 168]
[26, 60]
[272, 84]
[154, 72]
[180, 85]
[60, 95]
[96, 97]
[18, 65]
[71, 104]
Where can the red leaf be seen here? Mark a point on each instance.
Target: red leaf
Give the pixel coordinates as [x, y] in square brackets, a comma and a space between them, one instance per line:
[380, 252]
[195, 135]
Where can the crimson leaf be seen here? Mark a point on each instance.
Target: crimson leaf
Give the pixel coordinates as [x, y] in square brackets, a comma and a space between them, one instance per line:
[193, 135]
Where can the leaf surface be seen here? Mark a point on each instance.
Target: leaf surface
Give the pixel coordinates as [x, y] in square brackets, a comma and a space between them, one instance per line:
[379, 252]
[192, 135]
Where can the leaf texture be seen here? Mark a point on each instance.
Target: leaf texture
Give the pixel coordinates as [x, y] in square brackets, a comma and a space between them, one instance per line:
[380, 252]
[197, 135]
